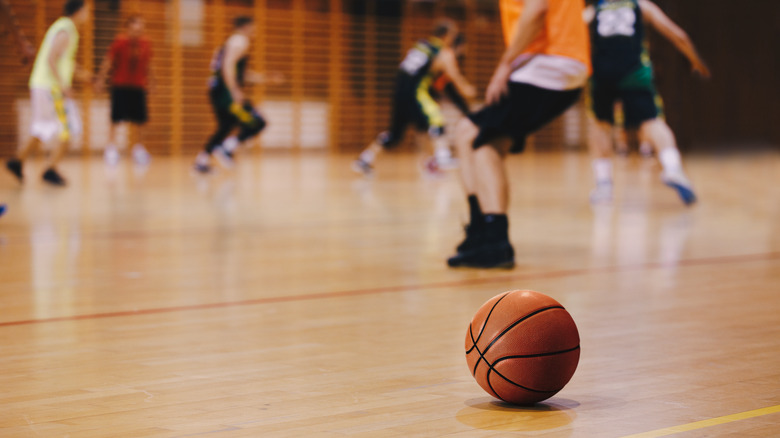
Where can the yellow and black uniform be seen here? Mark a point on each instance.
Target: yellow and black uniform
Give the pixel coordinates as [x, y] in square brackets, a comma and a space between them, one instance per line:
[231, 114]
[548, 77]
[52, 113]
[621, 65]
[412, 101]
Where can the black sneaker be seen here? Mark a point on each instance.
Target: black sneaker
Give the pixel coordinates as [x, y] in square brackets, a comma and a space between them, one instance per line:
[15, 166]
[473, 236]
[52, 177]
[490, 255]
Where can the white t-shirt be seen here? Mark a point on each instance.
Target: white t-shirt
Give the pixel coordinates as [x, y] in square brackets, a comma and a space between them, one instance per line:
[550, 71]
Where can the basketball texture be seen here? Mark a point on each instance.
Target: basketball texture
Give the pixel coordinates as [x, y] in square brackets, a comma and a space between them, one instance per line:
[522, 347]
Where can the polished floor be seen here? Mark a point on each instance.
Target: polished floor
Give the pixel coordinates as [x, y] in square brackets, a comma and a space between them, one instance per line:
[291, 298]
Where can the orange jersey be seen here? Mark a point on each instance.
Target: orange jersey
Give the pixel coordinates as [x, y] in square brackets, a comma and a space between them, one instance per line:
[564, 32]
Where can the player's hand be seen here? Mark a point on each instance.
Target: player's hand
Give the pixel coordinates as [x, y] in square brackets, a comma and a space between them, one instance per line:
[499, 84]
[67, 93]
[701, 69]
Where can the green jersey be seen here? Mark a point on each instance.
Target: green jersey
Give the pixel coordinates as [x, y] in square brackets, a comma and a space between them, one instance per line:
[42, 76]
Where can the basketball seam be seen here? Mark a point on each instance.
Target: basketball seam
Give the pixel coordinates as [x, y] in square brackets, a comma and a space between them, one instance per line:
[528, 356]
[492, 368]
[513, 325]
[484, 324]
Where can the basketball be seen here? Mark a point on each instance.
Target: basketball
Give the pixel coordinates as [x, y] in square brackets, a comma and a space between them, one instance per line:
[522, 347]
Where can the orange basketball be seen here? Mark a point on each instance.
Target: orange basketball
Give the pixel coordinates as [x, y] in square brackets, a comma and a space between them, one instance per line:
[522, 347]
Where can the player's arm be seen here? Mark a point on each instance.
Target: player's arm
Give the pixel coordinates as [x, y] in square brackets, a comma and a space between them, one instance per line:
[588, 14]
[449, 65]
[25, 48]
[528, 26]
[235, 49]
[58, 47]
[674, 33]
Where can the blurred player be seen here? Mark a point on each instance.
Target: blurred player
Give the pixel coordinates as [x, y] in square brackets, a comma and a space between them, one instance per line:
[129, 62]
[54, 113]
[622, 71]
[26, 50]
[540, 75]
[412, 101]
[226, 91]
[443, 87]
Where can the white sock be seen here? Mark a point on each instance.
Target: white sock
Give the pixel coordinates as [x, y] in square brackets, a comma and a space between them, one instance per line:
[670, 160]
[368, 155]
[602, 170]
[230, 144]
[442, 149]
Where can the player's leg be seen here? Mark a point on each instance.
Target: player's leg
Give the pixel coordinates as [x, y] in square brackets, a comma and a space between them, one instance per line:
[226, 123]
[429, 118]
[118, 105]
[487, 236]
[69, 126]
[465, 132]
[138, 118]
[601, 102]
[251, 124]
[660, 135]
[403, 102]
[503, 127]
[642, 107]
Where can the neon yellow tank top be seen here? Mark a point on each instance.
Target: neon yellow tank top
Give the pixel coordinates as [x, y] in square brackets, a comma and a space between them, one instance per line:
[42, 76]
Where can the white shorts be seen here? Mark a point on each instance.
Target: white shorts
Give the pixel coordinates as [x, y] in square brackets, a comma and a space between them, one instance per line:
[53, 116]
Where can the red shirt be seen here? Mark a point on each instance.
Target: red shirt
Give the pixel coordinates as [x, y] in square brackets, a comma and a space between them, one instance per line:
[130, 61]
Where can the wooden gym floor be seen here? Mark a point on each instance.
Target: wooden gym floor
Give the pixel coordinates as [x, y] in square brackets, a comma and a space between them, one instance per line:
[289, 298]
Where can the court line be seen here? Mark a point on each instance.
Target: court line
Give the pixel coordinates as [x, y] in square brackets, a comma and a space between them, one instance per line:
[707, 423]
[411, 287]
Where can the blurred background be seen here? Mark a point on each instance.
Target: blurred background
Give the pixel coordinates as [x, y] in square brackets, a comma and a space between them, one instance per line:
[340, 57]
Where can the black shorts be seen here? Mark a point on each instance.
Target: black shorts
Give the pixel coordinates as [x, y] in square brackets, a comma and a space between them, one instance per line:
[412, 105]
[635, 91]
[524, 110]
[128, 105]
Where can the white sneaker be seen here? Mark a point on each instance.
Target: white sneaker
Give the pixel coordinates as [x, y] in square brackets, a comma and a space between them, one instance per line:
[111, 155]
[679, 182]
[140, 155]
[224, 158]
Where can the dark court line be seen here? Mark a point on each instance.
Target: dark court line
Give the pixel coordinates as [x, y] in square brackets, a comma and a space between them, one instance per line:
[411, 287]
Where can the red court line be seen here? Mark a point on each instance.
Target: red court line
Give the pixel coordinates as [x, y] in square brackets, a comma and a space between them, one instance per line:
[410, 287]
